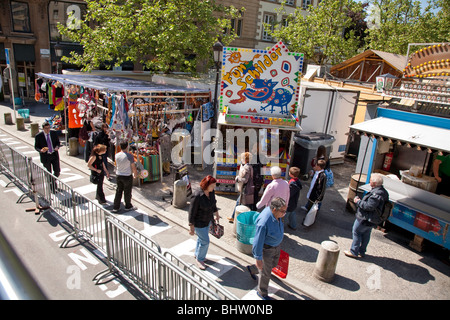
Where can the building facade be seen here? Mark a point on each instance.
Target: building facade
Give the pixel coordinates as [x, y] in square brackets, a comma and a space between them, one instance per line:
[28, 29]
[250, 28]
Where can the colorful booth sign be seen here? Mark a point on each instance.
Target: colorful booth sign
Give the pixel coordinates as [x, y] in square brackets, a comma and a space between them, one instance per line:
[260, 86]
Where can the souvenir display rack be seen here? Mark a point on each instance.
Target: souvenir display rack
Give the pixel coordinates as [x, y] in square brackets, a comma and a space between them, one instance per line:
[134, 110]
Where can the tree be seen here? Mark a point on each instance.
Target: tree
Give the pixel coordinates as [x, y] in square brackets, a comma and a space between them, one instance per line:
[396, 23]
[163, 35]
[325, 33]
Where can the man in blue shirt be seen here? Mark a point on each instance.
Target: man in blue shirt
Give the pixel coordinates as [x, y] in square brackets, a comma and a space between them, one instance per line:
[266, 244]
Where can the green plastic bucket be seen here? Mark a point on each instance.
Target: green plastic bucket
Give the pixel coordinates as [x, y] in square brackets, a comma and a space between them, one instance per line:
[246, 227]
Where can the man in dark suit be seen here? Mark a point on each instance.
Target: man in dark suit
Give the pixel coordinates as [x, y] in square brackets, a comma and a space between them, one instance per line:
[47, 144]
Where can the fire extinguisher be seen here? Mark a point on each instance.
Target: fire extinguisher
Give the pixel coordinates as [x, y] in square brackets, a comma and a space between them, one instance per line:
[388, 161]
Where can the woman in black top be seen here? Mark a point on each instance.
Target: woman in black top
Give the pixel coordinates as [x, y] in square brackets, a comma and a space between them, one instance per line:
[98, 167]
[103, 138]
[201, 213]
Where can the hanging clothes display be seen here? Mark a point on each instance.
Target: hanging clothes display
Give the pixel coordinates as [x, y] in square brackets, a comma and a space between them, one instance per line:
[140, 112]
[75, 118]
[58, 96]
[119, 119]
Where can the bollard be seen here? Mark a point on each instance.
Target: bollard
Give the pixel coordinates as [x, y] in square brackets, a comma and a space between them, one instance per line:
[20, 123]
[73, 146]
[239, 209]
[8, 118]
[34, 129]
[179, 194]
[326, 261]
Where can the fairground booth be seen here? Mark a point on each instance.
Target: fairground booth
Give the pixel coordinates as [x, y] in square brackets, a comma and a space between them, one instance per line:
[257, 110]
[409, 143]
[141, 112]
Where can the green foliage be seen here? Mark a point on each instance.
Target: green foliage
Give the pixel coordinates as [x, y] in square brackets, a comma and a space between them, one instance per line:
[332, 32]
[319, 33]
[396, 23]
[164, 35]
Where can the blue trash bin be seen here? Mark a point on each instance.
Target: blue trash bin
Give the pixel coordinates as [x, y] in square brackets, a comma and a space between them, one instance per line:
[246, 227]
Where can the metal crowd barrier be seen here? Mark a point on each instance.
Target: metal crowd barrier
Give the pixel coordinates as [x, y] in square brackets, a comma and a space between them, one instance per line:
[15, 164]
[211, 284]
[127, 250]
[154, 274]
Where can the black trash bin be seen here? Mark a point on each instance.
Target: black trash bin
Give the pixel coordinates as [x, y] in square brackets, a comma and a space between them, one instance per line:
[305, 149]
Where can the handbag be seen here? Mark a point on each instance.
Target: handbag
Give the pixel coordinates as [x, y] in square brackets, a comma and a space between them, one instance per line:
[216, 229]
[311, 215]
[95, 177]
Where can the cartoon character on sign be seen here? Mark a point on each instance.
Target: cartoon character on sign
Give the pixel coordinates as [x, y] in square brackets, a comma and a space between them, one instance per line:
[265, 92]
[235, 57]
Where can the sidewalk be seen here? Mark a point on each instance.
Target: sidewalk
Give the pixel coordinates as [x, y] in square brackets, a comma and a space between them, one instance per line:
[391, 269]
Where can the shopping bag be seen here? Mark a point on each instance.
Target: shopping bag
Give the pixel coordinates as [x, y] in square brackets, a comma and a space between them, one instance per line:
[311, 215]
[281, 270]
[216, 229]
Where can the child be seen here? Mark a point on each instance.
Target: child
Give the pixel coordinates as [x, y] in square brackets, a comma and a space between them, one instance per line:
[294, 192]
[318, 184]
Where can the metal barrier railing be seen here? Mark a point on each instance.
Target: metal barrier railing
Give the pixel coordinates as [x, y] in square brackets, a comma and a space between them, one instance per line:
[128, 251]
[218, 289]
[16, 165]
[154, 274]
[90, 220]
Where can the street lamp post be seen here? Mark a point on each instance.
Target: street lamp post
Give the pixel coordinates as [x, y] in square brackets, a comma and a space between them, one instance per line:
[217, 49]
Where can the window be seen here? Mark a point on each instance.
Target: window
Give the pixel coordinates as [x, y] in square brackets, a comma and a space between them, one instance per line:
[236, 26]
[306, 3]
[20, 16]
[285, 21]
[268, 19]
[290, 2]
[68, 14]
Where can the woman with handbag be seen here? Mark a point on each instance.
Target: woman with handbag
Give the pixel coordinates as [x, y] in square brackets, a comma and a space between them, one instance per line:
[201, 212]
[245, 185]
[98, 171]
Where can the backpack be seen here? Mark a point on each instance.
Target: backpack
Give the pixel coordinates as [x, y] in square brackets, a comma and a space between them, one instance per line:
[330, 178]
[381, 216]
[258, 178]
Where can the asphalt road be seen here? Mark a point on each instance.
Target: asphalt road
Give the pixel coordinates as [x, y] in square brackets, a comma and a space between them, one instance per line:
[61, 273]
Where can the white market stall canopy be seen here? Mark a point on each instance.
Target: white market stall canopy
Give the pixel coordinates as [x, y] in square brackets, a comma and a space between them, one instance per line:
[406, 132]
[118, 84]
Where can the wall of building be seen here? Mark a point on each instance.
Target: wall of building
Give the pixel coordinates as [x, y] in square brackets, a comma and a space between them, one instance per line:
[29, 40]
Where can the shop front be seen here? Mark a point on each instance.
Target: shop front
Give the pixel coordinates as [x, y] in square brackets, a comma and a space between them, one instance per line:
[411, 148]
[403, 146]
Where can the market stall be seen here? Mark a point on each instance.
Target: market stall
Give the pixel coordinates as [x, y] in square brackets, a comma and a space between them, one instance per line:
[404, 146]
[257, 110]
[141, 112]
